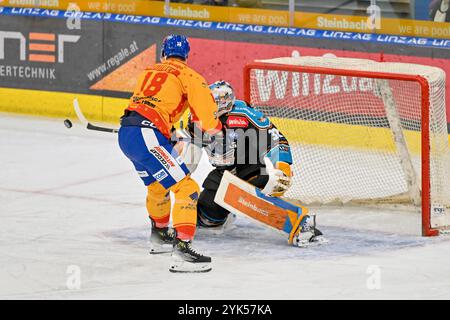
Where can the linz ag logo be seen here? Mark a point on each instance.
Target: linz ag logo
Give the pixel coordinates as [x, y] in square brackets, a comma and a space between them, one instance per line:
[41, 47]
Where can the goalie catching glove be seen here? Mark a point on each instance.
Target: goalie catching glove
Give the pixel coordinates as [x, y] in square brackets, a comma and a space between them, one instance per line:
[279, 178]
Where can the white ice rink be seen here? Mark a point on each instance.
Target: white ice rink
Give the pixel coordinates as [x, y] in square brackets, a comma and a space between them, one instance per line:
[69, 200]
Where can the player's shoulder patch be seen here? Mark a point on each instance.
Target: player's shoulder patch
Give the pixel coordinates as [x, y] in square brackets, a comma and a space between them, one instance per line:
[236, 121]
[242, 109]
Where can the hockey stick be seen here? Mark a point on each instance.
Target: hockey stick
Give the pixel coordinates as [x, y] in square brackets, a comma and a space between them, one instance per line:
[85, 122]
[90, 126]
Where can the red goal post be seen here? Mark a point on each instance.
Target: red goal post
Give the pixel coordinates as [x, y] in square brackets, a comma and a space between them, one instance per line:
[299, 92]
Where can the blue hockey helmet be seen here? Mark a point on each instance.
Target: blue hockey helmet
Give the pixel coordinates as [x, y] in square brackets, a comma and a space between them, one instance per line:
[175, 45]
[223, 94]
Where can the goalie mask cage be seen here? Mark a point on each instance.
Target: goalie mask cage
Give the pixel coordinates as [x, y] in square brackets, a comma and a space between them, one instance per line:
[361, 132]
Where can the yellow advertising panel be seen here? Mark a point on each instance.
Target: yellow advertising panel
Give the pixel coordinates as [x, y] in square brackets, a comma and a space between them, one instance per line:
[157, 8]
[402, 27]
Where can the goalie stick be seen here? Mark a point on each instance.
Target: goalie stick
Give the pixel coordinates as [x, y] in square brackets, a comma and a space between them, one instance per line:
[239, 196]
[85, 122]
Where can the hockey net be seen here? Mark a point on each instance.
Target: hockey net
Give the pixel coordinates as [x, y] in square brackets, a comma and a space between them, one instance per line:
[361, 132]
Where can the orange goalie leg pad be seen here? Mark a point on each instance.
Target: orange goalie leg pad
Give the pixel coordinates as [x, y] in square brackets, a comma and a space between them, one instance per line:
[158, 204]
[184, 214]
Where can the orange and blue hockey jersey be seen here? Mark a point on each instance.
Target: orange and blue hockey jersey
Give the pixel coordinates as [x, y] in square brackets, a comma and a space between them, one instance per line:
[167, 89]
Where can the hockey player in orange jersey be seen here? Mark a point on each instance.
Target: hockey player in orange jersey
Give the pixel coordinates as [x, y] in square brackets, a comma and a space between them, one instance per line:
[163, 93]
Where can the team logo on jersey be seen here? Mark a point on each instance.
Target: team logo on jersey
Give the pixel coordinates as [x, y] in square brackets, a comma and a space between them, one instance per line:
[142, 174]
[237, 122]
[160, 175]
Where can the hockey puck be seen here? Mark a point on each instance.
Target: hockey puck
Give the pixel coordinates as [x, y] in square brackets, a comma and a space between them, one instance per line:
[68, 123]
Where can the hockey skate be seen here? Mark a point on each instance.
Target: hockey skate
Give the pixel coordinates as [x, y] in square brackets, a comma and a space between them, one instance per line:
[308, 234]
[185, 259]
[161, 239]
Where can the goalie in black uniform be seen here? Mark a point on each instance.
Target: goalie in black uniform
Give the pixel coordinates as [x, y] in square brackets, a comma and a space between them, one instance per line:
[251, 148]
[254, 150]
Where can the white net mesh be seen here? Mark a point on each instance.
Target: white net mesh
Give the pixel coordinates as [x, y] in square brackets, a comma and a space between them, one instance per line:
[356, 134]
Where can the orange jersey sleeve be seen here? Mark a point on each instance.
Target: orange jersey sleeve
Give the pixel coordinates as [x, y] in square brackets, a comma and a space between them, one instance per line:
[201, 102]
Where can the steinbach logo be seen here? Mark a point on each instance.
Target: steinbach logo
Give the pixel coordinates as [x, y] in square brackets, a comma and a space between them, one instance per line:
[41, 47]
[253, 206]
[237, 122]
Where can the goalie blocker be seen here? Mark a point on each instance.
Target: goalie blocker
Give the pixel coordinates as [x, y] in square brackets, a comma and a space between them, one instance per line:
[242, 198]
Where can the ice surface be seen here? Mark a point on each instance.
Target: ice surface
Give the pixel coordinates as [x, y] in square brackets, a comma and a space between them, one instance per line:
[68, 197]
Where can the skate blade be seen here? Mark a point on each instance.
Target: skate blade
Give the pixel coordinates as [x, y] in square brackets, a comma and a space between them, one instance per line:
[315, 241]
[193, 271]
[187, 267]
[159, 252]
[158, 249]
